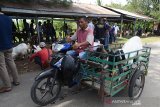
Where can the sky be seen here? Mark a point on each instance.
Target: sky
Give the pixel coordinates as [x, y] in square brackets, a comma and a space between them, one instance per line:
[123, 2]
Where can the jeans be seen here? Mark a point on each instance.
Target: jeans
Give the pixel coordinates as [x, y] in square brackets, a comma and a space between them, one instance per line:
[81, 55]
[37, 60]
[107, 40]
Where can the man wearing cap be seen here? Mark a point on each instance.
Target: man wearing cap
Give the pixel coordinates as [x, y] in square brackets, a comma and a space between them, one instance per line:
[43, 56]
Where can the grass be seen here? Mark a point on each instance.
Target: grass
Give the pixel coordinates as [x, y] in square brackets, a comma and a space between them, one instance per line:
[144, 39]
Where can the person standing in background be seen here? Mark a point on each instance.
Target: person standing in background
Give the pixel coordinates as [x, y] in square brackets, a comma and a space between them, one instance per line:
[112, 35]
[115, 32]
[90, 24]
[50, 32]
[25, 30]
[31, 28]
[44, 29]
[65, 29]
[100, 30]
[39, 28]
[14, 29]
[107, 36]
[6, 59]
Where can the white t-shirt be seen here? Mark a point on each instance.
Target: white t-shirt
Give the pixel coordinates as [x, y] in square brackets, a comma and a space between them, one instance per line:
[91, 25]
[116, 29]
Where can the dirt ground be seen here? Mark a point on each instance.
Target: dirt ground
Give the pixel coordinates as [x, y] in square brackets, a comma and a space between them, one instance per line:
[24, 65]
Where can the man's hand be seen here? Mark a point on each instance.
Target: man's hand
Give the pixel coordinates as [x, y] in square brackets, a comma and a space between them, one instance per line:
[76, 45]
[68, 39]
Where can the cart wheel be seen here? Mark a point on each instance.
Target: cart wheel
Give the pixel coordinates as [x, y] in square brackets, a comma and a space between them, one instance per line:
[136, 84]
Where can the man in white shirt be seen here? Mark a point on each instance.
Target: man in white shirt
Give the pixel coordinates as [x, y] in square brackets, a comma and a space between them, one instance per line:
[90, 24]
[116, 31]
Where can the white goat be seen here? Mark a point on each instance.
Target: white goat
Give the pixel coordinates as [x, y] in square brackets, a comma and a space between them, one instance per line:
[133, 44]
[21, 49]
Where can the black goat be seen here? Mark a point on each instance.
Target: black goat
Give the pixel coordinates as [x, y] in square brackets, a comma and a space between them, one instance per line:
[116, 57]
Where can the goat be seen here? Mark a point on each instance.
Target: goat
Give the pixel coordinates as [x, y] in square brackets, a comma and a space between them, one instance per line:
[21, 49]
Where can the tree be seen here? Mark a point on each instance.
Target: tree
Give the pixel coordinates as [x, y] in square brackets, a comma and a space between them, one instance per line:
[116, 5]
[99, 2]
[146, 7]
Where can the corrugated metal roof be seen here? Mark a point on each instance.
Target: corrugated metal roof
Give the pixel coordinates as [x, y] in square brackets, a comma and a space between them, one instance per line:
[74, 10]
[129, 14]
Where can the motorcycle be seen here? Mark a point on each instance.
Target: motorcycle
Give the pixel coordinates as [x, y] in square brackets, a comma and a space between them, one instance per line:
[47, 85]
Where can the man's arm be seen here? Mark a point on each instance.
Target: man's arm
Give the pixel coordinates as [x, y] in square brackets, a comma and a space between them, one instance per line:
[84, 43]
[33, 56]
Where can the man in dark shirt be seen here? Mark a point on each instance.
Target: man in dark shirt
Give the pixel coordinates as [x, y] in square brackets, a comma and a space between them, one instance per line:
[6, 54]
[50, 32]
[108, 27]
[25, 30]
[14, 29]
[31, 28]
[102, 31]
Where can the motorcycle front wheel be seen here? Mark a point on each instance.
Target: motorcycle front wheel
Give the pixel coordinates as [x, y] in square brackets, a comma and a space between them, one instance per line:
[45, 91]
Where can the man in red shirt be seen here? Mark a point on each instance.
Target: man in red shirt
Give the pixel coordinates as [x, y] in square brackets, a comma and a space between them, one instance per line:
[42, 57]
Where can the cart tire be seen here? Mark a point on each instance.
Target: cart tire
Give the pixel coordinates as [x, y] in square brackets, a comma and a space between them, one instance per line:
[137, 76]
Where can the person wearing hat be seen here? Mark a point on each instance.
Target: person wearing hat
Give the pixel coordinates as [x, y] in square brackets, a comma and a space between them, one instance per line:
[43, 56]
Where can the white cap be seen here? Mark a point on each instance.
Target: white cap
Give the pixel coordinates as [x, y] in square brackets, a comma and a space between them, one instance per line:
[42, 44]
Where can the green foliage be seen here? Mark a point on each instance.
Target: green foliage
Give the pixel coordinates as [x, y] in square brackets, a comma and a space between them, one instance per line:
[72, 26]
[115, 5]
[18, 1]
[145, 7]
[99, 2]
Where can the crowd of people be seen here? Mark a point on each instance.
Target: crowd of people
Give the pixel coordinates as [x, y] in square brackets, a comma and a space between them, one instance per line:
[47, 31]
[30, 31]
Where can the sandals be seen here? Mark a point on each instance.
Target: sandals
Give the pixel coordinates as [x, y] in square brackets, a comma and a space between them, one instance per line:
[15, 83]
[5, 89]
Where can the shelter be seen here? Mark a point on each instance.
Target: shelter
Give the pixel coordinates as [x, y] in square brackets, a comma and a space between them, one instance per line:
[127, 17]
[39, 10]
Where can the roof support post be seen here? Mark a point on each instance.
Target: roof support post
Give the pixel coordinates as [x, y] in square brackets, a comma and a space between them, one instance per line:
[52, 21]
[17, 24]
[64, 33]
[134, 29]
[144, 26]
[121, 26]
[38, 29]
